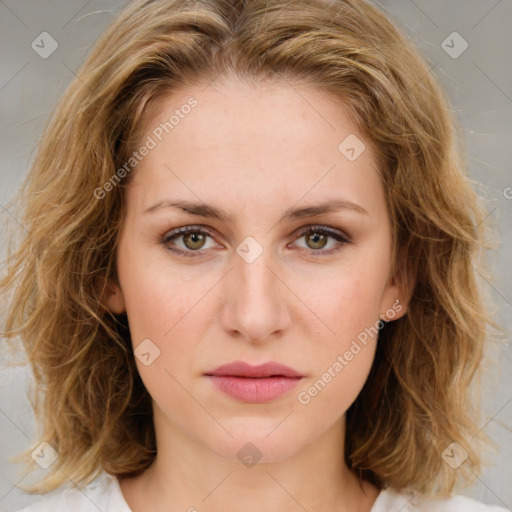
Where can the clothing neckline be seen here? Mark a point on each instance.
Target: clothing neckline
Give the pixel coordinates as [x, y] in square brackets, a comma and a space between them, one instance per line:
[119, 497]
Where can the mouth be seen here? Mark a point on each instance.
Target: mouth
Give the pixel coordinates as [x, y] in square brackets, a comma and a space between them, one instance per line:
[254, 384]
[243, 369]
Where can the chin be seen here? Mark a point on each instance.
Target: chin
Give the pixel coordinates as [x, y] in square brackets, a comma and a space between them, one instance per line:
[257, 438]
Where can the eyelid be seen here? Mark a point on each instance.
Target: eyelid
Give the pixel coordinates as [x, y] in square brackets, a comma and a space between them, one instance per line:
[189, 228]
[298, 232]
[334, 232]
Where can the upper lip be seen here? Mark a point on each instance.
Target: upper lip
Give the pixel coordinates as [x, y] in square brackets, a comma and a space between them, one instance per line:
[243, 369]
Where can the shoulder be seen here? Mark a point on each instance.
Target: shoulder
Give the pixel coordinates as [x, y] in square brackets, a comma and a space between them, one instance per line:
[389, 499]
[103, 493]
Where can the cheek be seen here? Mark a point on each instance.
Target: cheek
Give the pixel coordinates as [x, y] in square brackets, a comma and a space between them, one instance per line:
[158, 294]
[344, 353]
[349, 308]
[168, 317]
[336, 387]
[346, 303]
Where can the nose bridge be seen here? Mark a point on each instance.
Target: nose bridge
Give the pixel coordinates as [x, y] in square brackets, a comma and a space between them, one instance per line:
[254, 280]
[256, 307]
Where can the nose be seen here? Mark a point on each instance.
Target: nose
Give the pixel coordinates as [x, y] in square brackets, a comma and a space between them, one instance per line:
[255, 306]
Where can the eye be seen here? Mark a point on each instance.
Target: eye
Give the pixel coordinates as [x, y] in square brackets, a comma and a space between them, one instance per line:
[316, 239]
[193, 240]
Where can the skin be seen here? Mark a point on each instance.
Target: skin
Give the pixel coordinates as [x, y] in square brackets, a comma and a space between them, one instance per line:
[253, 150]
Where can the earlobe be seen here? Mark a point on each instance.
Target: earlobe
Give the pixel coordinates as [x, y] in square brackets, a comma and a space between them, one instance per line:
[394, 311]
[115, 298]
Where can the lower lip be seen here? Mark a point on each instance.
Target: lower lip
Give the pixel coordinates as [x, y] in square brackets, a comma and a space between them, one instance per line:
[254, 391]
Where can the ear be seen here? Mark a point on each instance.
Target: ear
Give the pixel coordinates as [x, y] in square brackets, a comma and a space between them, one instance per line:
[398, 292]
[114, 298]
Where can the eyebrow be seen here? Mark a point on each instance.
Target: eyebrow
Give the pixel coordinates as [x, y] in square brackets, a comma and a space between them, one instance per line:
[210, 211]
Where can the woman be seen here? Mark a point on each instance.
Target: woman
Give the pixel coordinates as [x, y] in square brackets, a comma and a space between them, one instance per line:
[248, 282]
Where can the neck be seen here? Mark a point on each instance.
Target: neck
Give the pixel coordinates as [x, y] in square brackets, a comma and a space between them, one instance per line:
[188, 476]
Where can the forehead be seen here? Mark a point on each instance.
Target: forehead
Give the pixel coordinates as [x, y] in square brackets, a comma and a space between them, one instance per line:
[251, 142]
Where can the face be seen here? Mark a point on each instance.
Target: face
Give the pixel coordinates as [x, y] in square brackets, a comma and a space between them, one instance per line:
[272, 279]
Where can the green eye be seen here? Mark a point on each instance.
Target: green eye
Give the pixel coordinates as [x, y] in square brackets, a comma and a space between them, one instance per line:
[194, 240]
[317, 239]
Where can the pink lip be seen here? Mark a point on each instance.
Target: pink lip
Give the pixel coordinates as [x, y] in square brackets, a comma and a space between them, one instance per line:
[243, 369]
[254, 384]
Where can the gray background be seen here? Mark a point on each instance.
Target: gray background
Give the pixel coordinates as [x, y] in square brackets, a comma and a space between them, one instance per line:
[479, 83]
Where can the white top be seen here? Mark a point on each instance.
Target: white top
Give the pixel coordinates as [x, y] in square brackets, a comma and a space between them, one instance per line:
[104, 493]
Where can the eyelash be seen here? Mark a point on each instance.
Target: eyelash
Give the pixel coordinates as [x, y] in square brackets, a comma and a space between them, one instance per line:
[343, 239]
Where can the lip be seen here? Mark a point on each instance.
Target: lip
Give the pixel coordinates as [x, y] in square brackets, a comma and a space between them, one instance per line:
[243, 369]
[254, 384]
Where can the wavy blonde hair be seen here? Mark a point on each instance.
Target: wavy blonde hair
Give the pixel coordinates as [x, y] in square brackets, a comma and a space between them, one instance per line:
[91, 404]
